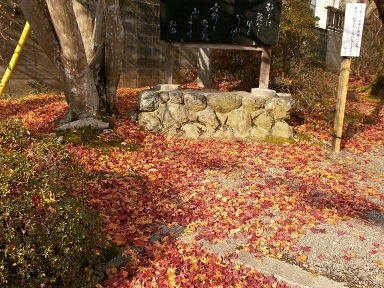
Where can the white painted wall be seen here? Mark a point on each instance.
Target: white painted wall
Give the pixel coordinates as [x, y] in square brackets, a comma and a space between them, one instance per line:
[319, 6]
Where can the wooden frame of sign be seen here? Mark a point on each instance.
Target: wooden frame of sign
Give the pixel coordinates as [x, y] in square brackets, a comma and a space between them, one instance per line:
[264, 66]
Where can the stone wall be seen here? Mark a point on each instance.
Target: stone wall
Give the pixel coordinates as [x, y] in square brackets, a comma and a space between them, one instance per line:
[212, 114]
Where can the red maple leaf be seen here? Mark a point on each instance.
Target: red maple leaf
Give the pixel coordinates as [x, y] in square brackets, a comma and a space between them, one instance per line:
[321, 256]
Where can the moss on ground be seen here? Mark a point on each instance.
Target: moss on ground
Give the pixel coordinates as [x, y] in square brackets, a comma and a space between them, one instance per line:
[370, 98]
[277, 140]
[91, 138]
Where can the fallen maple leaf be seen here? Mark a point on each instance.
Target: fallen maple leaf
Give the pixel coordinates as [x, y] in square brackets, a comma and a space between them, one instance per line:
[347, 258]
[306, 248]
[316, 230]
[301, 257]
[113, 270]
[376, 245]
[124, 273]
[293, 249]
[321, 256]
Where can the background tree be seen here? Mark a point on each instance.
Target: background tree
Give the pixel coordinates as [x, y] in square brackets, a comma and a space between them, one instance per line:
[298, 38]
[85, 41]
[378, 82]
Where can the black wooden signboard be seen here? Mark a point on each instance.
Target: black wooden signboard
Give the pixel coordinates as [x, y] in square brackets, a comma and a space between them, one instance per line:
[245, 22]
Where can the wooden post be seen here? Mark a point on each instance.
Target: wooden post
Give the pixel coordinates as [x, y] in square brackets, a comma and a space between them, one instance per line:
[340, 106]
[265, 68]
[203, 68]
[169, 60]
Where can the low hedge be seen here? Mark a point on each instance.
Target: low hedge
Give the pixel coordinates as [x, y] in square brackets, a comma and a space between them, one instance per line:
[48, 234]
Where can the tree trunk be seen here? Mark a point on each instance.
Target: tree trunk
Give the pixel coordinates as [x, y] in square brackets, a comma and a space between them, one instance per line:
[85, 22]
[79, 85]
[85, 40]
[114, 46]
[377, 88]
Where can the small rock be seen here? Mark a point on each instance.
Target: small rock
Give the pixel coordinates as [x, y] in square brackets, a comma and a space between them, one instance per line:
[133, 115]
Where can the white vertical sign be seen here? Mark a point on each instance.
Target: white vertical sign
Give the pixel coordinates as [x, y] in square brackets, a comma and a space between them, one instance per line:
[353, 29]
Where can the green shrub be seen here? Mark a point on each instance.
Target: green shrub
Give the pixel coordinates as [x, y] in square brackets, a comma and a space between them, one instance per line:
[47, 232]
[313, 89]
[38, 88]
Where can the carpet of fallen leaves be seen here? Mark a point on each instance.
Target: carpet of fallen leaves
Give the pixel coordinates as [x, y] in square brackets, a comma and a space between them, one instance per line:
[266, 195]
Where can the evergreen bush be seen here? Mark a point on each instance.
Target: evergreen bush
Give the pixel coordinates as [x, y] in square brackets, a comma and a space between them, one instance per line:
[298, 37]
[48, 234]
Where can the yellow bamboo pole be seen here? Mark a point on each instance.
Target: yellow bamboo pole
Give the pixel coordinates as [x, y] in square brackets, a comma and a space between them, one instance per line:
[15, 58]
[340, 105]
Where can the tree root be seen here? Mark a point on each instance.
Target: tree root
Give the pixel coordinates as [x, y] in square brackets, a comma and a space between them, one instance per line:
[83, 123]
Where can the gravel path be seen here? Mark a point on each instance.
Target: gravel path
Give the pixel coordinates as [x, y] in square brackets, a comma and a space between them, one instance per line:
[349, 252]
[352, 251]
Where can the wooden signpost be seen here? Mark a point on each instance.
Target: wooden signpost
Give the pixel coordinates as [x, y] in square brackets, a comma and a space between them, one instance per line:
[351, 43]
[221, 24]
[243, 22]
